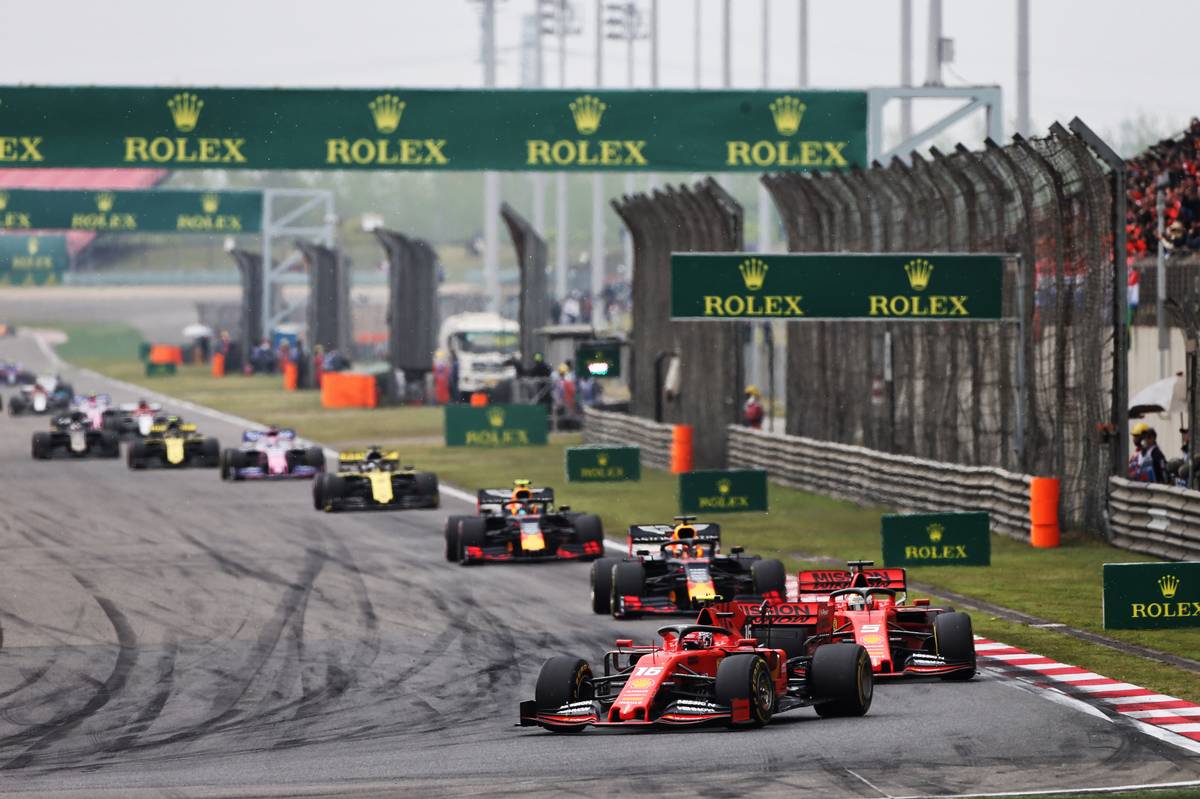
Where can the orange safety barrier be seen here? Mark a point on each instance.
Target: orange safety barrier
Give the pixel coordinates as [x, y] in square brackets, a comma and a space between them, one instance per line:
[291, 376]
[348, 390]
[1043, 512]
[166, 353]
[218, 364]
[681, 448]
[479, 399]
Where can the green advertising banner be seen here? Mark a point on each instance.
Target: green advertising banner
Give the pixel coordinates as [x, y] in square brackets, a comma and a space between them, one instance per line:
[598, 358]
[446, 129]
[603, 463]
[33, 260]
[1143, 596]
[495, 425]
[888, 287]
[723, 491]
[156, 211]
[937, 539]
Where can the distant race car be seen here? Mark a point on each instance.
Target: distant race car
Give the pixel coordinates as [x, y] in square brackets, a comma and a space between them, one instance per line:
[74, 436]
[174, 444]
[679, 568]
[522, 524]
[46, 394]
[97, 407]
[13, 373]
[706, 672]
[271, 454]
[869, 607]
[134, 419]
[374, 479]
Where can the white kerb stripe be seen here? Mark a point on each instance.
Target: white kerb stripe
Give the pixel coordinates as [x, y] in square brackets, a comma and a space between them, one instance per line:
[1013, 658]
[1087, 675]
[1112, 686]
[988, 647]
[1138, 700]
[1161, 714]
[1182, 727]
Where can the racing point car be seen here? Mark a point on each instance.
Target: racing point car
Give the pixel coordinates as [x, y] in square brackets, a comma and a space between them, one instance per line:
[522, 524]
[174, 444]
[45, 394]
[678, 568]
[373, 479]
[869, 607]
[706, 672]
[134, 419]
[96, 407]
[271, 454]
[74, 435]
[13, 373]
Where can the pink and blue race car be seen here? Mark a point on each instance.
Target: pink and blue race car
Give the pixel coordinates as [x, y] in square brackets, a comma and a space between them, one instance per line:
[271, 454]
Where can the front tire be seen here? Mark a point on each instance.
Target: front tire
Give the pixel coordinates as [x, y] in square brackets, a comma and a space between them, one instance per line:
[110, 444]
[954, 640]
[41, 446]
[210, 452]
[472, 532]
[426, 485]
[136, 455]
[746, 677]
[601, 579]
[451, 536]
[315, 457]
[628, 579]
[841, 676]
[563, 679]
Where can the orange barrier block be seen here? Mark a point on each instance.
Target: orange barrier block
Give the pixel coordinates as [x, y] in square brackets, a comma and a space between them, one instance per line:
[681, 448]
[166, 353]
[347, 390]
[479, 399]
[291, 376]
[218, 364]
[1044, 532]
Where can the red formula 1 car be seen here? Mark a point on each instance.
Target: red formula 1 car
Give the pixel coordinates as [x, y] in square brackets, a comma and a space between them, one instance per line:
[701, 673]
[869, 607]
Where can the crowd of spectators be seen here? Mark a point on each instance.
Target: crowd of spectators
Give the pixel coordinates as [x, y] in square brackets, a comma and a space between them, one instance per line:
[1178, 161]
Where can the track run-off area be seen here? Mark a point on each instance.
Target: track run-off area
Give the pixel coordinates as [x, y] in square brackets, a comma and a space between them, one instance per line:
[167, 632]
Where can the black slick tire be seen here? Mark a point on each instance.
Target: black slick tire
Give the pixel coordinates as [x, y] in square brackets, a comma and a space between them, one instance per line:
[563, 679]
[769, 577]
[426, 485]
[589, 528]
[746, 677]
[210, 453]
[955, 641]
[601, 580]
[841, 680]
[472, 532]
[135, 456]
[110, 444]
[451, 536]
[628, 579]
[315, 457]
[40, 446]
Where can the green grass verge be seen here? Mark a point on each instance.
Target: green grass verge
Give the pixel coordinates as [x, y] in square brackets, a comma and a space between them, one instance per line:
[1061, 585]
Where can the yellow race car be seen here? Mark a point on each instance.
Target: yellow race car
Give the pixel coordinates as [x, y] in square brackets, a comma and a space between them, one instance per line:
[174, 444]
[374, 479]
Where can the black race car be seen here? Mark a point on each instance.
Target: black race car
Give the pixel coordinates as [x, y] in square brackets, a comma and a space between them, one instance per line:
[522, 524]
[174, 444]
[73, 435]
[374, 479]
[678, 568]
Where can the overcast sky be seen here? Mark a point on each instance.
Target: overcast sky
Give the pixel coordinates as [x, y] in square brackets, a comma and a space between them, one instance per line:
[1103, 60]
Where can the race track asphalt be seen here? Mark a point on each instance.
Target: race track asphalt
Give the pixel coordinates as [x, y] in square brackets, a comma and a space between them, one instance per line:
[167, 632]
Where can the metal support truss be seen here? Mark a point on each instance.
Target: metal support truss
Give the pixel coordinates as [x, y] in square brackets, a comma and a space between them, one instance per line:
[289, 214]
[975, 98]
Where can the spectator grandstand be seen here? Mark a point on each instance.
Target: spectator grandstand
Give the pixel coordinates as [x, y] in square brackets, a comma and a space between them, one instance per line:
[1179, 159]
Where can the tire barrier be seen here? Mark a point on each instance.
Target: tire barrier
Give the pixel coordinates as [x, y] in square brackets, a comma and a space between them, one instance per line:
[607, 427]
[1158, 520]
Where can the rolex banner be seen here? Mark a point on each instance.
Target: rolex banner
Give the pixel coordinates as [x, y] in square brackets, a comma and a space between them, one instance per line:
[888, 287]
[33, 260]
[1142, 596]
[150, 211]
[495, 425]
[432, 129]
[937, 539]
[723, 491]
[603, 463]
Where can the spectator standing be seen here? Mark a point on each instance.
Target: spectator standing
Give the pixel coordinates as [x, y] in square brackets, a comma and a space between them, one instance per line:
[1147, 464]
[753, 411]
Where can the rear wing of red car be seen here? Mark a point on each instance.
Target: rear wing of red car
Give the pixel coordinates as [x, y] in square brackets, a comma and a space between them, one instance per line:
[823, 581]
[740, 616]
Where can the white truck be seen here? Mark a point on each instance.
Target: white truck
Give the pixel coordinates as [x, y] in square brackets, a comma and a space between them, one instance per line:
[481, 348]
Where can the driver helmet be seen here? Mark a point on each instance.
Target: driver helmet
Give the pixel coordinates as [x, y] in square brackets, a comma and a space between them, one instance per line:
[856, 601]
[143, 405]
[702, 640]
[271, 434]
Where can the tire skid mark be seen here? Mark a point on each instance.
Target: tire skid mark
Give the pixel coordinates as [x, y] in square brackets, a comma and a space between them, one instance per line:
[47, 733]
[164, 683]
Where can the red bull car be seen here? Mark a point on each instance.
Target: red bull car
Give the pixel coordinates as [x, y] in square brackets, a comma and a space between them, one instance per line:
[869, 607]
[701, 673]
[679, 568]
[522, 524]
[271, 454]
[74, 436]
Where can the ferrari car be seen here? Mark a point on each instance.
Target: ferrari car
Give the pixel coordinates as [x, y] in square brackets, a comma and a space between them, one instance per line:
[679, 568]
[707, 672]
[271, 454]
[46, 394]
[73, 435]
[374, 479]
[522, 524]
[174, 444]
[134, 419]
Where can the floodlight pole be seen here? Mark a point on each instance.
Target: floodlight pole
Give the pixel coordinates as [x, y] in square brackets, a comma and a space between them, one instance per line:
[597, 285]
[802, 48]
[1023, 122]
[696, 43]
[561, 223]
[539, 179]
[933, 45]
[906, 119]
[491, 178]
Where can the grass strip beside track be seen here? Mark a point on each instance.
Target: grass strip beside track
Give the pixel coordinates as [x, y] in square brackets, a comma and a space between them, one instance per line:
[1062, 585]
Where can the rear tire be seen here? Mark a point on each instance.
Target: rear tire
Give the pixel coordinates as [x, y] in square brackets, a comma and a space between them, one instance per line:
[110, 444]
[41, 446]
[227, 464]
[15, 406]
[318, 491]
[451, 535]
[628, 579]
[746, 677]
[955, 641]
[841, 674]
[589, 528]
[769, 577]
[563, 679]
[601, 580]
[472, 532]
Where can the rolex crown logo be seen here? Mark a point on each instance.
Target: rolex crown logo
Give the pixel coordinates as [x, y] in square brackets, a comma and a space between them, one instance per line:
[788, 111]
[105, 201]
[587, 111]
[1168, 584]
[3, 200]
[754, 272]
[32, 246]
[602, 459]
[935, 531]
[386, 110]
[724, 486]
[495, 417]
[919, 271]
[185, 111]
[210, 203]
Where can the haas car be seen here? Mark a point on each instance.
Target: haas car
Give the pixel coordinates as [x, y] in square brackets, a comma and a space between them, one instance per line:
[41, 396]
[174, 444]
[679, 568]
[869, 607]
[271, 454]
[74, 436]
[373, 479]
[707, 672]
[132, 420]
[522, 524]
